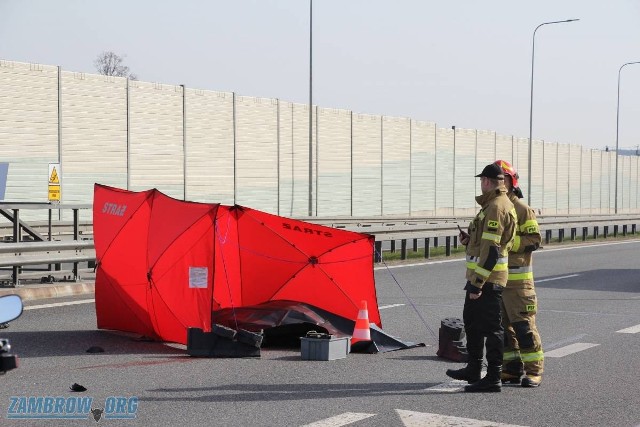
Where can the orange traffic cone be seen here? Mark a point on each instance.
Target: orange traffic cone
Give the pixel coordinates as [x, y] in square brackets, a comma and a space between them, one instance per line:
[361, 332]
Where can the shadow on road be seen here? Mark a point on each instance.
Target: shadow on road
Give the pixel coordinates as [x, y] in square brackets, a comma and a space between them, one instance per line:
[74, 343]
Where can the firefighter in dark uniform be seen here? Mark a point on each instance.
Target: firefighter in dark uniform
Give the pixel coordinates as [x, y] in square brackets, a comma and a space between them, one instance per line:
[523, 353]
[490, 236]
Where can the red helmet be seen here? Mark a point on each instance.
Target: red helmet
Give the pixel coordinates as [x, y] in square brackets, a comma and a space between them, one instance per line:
[508, 170]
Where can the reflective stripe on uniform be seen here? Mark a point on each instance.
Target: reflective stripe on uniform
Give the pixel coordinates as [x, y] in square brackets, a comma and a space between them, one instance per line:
[530, 223]
[501, 265]
[482, 272]
[481, 215]
[521, 273]
[520, 276]
[516, 244]
[532, 357]
[511, 355]
[472, 262]
[524, 269]
[491, 237]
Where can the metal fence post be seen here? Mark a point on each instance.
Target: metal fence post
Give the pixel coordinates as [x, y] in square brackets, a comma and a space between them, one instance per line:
[15, 270]
[76, 234]
[377, 252]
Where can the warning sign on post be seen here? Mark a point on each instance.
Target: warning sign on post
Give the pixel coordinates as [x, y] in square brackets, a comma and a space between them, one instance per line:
[55, 182]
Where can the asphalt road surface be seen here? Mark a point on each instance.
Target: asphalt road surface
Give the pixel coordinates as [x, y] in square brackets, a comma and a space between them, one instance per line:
[589, 319]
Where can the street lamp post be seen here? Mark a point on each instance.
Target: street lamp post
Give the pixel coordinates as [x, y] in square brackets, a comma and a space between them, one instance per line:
[533, 53]
[617, 127]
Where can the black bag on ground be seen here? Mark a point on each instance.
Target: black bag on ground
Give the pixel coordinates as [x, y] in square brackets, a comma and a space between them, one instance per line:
[450, 345]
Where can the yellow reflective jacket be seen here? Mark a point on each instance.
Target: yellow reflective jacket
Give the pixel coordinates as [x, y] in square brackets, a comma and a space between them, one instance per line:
[491, 236]
[528, 239]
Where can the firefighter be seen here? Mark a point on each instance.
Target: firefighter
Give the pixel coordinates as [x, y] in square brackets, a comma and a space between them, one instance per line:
[523, 353]
[489, 238]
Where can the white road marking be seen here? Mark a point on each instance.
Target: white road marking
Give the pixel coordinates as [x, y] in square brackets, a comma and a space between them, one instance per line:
[631, 330]
[558, 344]
[382, 307]
[444, 261]
[585, 313]
[588, 245]
[425, 419]
[570, 349]
[59, 304]
[340, 420]
[449, 387]
[556, 278]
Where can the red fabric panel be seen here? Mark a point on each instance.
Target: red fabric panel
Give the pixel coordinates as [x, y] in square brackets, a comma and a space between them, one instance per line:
[121, 310]
[175, 236]
[169, 219]
[112, 208]
[227, 290]
[121, 279]
[267, 260]
[177, 303]
[285, 259]
[338, 283]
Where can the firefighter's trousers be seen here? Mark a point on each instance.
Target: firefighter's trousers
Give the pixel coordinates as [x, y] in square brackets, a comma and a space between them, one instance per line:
[522, 345]
[482, 319]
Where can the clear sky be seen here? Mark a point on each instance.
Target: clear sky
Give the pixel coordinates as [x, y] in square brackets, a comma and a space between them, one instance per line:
[465, 63]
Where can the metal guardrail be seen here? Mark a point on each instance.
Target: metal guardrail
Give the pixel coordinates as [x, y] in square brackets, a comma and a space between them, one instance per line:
[413, 229]
[45, 247]
[33, 253]
[17, 255]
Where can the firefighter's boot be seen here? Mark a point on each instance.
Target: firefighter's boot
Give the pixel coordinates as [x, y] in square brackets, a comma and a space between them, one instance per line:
[531, 380]
[470, 373]
[511, 377]
[512, 370]
[489, 383]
